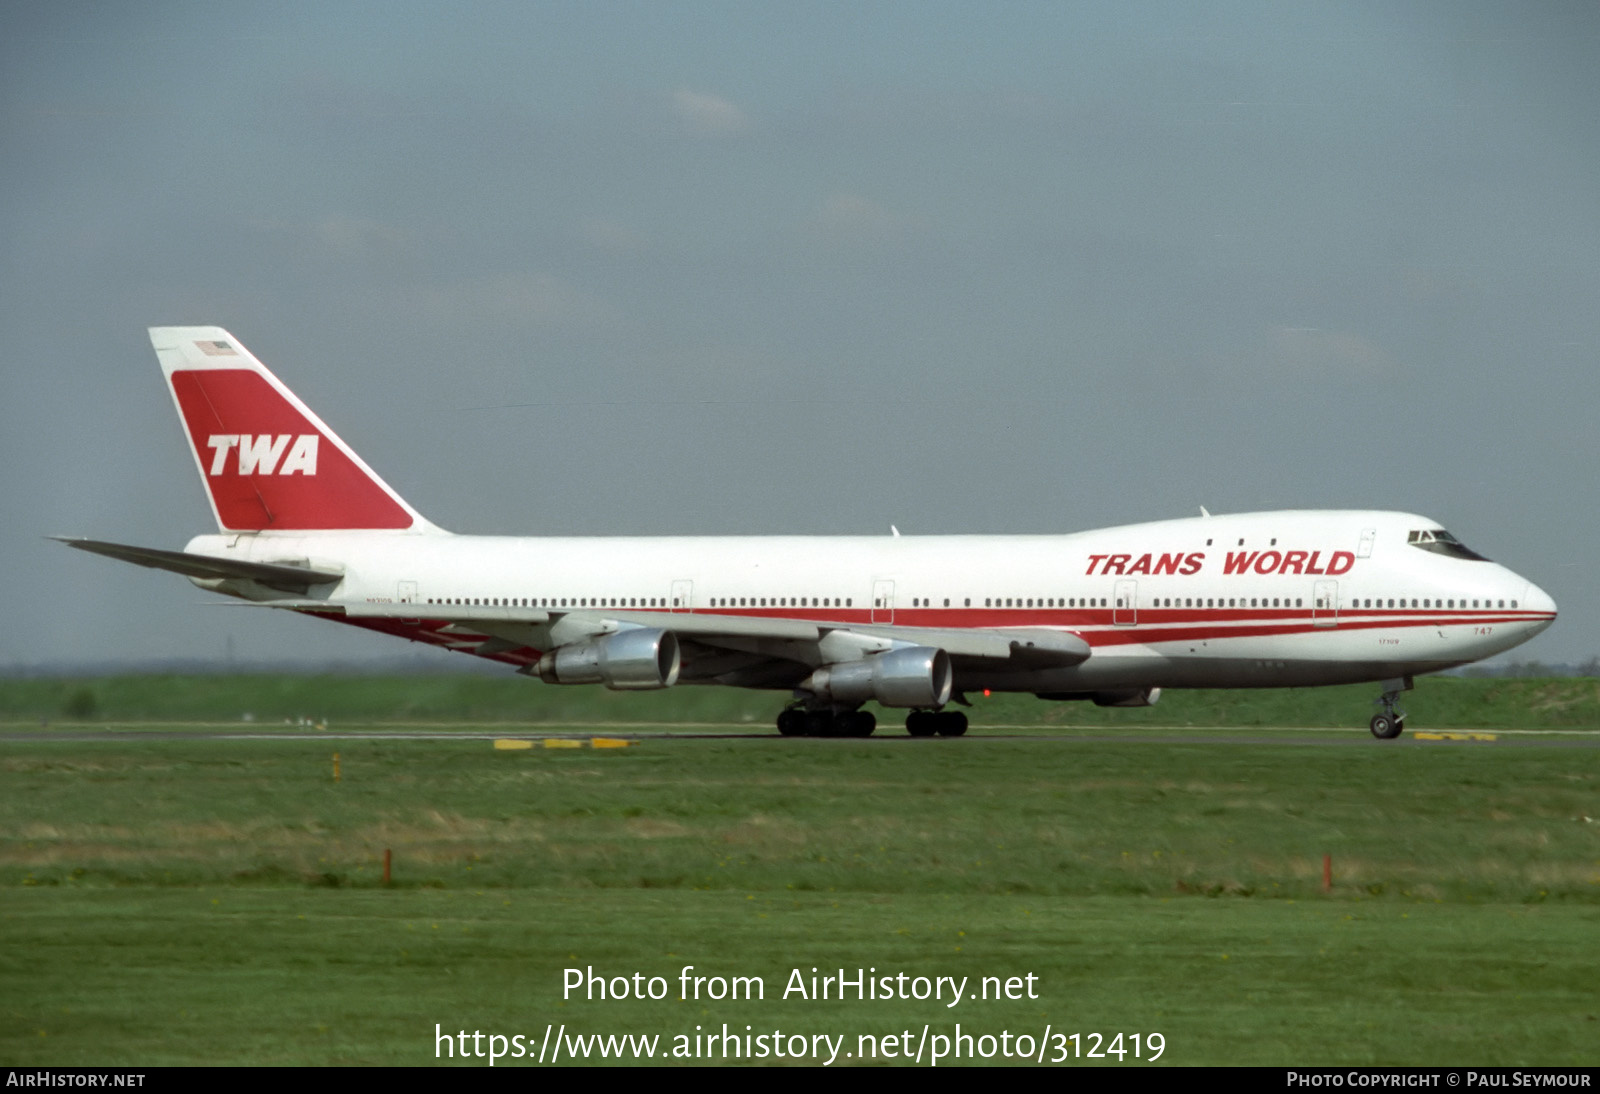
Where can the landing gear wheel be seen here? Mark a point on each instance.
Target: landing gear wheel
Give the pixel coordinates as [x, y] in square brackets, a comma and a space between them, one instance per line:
[858, 723]
[792, 723]
[820, 723]
[1386, 727]
[922, 723]
[951, 723]
[1390, 721]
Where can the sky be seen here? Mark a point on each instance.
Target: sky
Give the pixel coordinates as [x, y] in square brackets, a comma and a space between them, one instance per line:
[647, 268]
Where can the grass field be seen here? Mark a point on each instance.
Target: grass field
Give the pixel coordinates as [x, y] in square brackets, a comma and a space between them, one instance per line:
[1438, 702]
[197, 901]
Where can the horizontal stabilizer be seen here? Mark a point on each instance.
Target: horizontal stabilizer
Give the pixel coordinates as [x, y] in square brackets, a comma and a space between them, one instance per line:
[276, 575]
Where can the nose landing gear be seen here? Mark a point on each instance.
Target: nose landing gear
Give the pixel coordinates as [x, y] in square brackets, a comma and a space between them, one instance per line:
[1386, 727]
[1390, 722]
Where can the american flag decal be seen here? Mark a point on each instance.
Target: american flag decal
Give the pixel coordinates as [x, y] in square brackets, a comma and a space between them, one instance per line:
[217, 349]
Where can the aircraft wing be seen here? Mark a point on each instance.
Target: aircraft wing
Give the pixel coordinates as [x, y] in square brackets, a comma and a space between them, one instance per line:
[807, 642]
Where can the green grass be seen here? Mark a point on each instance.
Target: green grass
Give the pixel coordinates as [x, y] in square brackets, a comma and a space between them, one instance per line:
[221, 901]
[1437, 702]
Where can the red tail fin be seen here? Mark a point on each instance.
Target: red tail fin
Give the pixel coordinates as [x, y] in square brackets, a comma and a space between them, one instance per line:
[268, 462]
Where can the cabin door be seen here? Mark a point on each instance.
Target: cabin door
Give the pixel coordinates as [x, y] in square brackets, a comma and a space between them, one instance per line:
[1125, 608]
[1325, 604]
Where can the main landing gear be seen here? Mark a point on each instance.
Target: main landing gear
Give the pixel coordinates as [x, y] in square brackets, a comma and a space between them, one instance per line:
[1390, 722]
[945, 723]
[798, 722]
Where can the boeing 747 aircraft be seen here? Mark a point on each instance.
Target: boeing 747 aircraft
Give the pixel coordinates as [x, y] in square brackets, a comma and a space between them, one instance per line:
[1280, 599]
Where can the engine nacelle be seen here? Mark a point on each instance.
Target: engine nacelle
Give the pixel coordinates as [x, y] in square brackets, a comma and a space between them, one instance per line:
[639, 659]
[1126, 697]
[917, 676]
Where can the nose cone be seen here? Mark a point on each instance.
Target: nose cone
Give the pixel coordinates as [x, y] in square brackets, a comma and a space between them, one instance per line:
[1543, 607]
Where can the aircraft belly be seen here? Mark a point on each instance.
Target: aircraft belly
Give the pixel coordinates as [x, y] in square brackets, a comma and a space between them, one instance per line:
[1195, 672]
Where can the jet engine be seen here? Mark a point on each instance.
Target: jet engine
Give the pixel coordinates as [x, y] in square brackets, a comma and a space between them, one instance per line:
[915, 676]
[638, 659]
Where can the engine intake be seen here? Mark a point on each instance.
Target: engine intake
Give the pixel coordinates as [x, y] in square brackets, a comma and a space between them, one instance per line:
[917, 676]
[639, 659]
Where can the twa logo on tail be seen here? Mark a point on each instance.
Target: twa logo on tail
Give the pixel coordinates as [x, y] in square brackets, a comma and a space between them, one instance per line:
[267, 461]
[259, 454]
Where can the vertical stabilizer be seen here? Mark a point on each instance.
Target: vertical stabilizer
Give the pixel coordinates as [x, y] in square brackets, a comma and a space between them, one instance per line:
[268, 463]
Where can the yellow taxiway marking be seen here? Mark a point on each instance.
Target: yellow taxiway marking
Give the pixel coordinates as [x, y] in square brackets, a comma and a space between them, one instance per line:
[1440, 736]
[509, 744]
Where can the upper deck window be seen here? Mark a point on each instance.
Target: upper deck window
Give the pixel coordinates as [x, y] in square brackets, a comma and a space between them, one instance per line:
[1441, 542]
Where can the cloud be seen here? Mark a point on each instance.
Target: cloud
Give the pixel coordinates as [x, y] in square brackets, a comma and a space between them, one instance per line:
[356, 237]
[1315, 350]
[515, 299]
[610, 235]
[708, 114]
[851, 218]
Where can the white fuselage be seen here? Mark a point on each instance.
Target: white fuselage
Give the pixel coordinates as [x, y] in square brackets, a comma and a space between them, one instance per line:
[1261, 599]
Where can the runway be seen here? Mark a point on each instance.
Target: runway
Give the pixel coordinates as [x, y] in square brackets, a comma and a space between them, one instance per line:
[1297, 736]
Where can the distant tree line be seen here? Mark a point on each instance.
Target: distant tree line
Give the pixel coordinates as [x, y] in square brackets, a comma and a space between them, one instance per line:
[1590, 667]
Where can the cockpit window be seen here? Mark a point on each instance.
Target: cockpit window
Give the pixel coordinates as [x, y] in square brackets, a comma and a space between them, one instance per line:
[1441, 542]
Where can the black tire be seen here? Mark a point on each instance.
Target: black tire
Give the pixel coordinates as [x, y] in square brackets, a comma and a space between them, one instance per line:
[792, 723]
[861, 724]
[921, 723]
[952, 723]
[820, 723]
[1386, 727]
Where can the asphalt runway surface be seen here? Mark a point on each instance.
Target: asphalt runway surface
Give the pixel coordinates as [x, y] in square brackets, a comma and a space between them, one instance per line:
[1252, 735]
